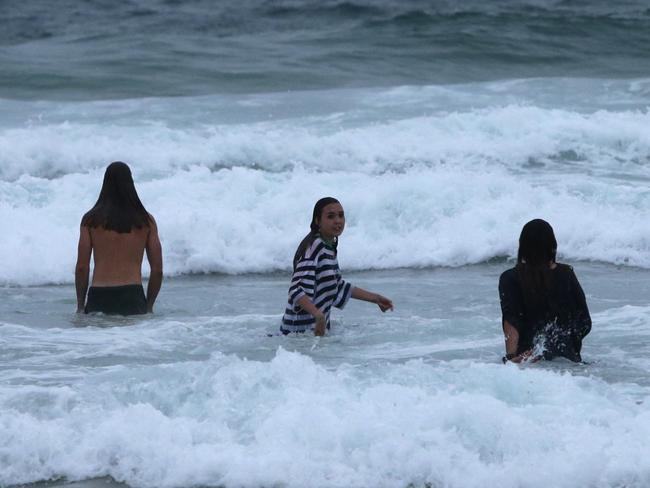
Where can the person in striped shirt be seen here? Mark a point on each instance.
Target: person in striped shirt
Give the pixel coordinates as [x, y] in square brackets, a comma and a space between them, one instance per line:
[316, 284]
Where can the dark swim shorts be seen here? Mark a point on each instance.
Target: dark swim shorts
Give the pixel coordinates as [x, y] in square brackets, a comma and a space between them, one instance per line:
[116, 300]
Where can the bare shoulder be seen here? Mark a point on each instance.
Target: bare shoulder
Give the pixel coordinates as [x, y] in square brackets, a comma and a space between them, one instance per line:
[152, 232]
[152, 221]
[84, 220]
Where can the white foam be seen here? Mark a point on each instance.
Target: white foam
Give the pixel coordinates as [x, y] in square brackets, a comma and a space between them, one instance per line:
[447, 187]
[242, 220]
[511, 135]
[293, 423]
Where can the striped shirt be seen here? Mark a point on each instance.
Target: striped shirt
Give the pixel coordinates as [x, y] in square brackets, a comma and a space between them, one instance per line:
[317, 276]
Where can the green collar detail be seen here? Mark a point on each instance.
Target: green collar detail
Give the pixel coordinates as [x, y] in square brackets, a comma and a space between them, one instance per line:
[328, 244]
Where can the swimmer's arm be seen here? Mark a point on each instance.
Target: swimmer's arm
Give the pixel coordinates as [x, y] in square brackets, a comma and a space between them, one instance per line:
[154, 256]
[583, 318]
[382, 302]
[308, 306]
[511, 335]
[82, 269]
[511, 307]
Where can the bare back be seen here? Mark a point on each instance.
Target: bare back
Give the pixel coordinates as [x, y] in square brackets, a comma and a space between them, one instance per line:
[118, 256]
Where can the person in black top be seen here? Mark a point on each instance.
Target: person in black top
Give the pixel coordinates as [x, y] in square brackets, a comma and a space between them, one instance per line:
[544, 311]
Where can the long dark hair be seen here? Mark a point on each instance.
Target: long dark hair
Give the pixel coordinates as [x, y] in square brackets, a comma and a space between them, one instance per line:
[537, 248]
[118, 207]
[313, 229]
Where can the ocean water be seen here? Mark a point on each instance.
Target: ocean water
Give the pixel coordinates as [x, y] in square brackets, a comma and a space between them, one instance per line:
[442, 127]
[200, 395]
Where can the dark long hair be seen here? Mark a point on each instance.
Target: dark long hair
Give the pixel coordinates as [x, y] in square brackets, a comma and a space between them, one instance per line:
[537, 247]
[118, 207]
[313, 229]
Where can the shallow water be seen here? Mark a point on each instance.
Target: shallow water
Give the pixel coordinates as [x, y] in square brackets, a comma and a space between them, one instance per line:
[413, 396]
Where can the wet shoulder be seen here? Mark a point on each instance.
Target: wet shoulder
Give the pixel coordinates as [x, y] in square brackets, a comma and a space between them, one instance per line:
[508, 277]
[323, 254]
[563, 270]
[564, 275]
[315, 249]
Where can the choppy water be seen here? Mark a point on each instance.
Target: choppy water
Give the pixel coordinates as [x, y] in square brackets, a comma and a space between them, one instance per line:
[441, 126]
[452, 173]
[199, 395]
[102, 49]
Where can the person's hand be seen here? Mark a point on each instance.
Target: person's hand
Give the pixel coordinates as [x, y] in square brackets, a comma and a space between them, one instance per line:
[526, 357]
[319, 328]
[383, 303]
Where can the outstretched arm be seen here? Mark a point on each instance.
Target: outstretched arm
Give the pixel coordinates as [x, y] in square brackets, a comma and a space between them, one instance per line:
[367, 296]
[154, 256]
[82, 269]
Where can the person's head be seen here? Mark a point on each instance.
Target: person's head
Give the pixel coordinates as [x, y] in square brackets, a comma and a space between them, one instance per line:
[537, 244]
[118, 207]
[328, 220]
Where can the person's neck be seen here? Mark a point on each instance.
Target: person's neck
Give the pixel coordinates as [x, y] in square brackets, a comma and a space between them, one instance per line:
[328, 240]
[551, 264]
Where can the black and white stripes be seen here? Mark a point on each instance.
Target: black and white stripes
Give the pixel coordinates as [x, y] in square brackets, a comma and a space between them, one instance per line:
[317, 276]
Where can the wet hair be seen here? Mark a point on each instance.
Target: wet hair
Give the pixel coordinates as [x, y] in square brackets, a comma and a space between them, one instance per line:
[537, 247]
[118, 207]
[314, 229]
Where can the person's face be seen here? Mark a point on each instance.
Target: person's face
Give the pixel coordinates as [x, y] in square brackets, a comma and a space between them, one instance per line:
[332, 221]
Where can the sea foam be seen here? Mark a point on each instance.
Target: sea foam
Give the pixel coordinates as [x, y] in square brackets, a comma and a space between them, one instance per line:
[243, 220]
[292, 422]
[443, 188]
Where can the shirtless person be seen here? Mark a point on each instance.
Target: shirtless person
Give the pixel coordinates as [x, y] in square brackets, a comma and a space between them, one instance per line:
[117, 231]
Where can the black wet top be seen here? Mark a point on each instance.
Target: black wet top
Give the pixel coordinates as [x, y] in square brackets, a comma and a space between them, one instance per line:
[562, 322]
